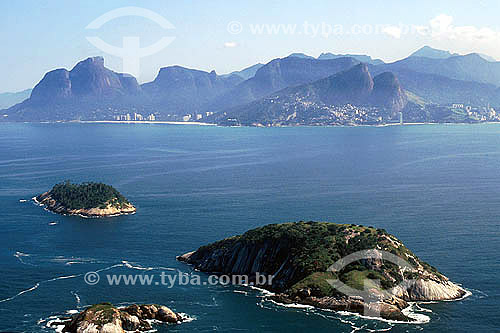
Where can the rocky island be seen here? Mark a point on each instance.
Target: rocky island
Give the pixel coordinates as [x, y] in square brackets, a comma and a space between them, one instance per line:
[304, 259]
[85, 200]
[106, 318]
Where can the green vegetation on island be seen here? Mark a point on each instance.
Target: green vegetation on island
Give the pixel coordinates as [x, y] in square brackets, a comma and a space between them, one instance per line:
[87, 199]
[87, 195]
[300, 257]
[312, 247]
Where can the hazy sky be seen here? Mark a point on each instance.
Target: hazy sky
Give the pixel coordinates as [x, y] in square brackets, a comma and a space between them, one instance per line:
[40, 35]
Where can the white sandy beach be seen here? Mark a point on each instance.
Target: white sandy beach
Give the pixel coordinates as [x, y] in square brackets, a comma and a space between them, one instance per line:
[145, 122]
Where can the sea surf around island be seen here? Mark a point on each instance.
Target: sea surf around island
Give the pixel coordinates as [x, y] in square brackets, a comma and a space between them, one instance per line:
[434, 187]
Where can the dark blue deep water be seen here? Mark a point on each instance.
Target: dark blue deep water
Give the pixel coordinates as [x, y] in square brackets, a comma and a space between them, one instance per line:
[437, 188]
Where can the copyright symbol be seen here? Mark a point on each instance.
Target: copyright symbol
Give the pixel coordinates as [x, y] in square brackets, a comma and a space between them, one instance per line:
[91, 278]
[234, 27]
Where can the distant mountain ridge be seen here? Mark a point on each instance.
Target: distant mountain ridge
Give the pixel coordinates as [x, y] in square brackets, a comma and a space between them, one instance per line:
[306, 104]
[329, 56]
[358, 57]
[9, 99]
[90, 91]
[279, 74]
[471, 67]
[246, 73]
[429, 52]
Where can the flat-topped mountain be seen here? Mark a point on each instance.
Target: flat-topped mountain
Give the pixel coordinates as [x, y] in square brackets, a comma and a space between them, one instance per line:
[359, 57]
[304, 259]
[86, 200]
[183, 90]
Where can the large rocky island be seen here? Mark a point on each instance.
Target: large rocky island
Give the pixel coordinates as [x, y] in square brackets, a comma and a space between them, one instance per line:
[304, 260]
[106, 318]
[86, 200]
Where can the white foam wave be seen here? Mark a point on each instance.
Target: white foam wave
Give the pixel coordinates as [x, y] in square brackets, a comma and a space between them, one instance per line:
[54, 279]
[186, 318]
[20, 255]
[73, 260]
[481, 293]
[142, 268]
[20, 293]
[293, 305]
[265, 292]
[56, 323]
[137, 267]
[77, 298]
[422, 309]
[409, 312]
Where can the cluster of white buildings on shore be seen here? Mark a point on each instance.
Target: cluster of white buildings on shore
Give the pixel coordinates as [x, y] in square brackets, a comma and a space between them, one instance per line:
[135, 117]
[152, 117]
[479, 113]
[196, 116]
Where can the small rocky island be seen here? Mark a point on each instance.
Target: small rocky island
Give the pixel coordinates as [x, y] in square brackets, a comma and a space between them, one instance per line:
[85, 200]
[304, 258]
[106, 318]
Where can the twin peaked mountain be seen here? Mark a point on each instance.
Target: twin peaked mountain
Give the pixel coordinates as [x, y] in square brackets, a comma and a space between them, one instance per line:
[332, 89]
[327, 101]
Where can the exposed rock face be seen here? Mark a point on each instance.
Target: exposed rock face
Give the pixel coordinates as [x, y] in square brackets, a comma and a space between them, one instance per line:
[387, 92]
[279, 74]
[186, 90]
[87, 90]
[105, 318]
[428, 290]
[299, 257]
[54, 85]
[109, 211]
[349, 97]
[89, 78]
[352, 86]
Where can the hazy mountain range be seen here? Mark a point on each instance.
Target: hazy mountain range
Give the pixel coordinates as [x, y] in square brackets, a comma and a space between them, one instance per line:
[9, 99]
[297, 89]
[320, 101]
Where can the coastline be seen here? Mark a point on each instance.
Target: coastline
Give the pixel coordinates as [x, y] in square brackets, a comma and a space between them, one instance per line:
[192, 123]
[142, 122]
[68, 213]
[415, 317]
